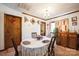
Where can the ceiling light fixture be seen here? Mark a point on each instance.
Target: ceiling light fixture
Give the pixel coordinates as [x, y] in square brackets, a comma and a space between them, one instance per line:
[46, 14]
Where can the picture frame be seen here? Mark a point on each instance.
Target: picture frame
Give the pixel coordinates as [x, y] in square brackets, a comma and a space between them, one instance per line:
[74, 21]
[74, 18]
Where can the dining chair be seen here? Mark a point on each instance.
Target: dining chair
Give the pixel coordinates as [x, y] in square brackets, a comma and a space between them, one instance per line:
[34, 34]
[50, 50]
[15, 47]
[50, 34]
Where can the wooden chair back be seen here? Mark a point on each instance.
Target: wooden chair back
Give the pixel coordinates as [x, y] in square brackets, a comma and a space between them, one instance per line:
[15, 47]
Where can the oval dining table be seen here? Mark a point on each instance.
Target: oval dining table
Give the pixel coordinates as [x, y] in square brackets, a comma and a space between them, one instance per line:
[34, 47]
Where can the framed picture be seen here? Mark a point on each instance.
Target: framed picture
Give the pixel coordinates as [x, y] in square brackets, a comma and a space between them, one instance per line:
[74, 18]
[74, 21]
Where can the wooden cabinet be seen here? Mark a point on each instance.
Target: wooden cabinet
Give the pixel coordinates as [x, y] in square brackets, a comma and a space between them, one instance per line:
[58, 41]
[67, 39]
[64, 38]
[72, 42]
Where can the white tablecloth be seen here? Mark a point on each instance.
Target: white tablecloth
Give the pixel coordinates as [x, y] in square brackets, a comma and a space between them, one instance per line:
[36, 48]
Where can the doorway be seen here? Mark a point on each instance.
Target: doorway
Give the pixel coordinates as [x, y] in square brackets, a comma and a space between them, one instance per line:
[12, 30]
[43, 28]
[53, 27]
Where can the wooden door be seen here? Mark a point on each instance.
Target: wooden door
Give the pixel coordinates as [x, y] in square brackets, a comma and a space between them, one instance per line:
[12, 30]
[43, 28]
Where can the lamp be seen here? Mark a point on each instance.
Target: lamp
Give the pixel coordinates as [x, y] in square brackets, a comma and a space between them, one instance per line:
[46, 14]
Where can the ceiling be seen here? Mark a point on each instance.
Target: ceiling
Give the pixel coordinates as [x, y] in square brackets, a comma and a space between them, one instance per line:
[44, 10]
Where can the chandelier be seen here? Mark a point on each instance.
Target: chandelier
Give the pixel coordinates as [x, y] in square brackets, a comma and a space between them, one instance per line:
[46, 14]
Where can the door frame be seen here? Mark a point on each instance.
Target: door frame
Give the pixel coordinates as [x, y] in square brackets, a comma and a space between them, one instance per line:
[44, 28]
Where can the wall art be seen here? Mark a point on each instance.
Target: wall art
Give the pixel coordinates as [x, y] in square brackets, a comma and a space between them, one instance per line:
[74, 21]
[32, 21]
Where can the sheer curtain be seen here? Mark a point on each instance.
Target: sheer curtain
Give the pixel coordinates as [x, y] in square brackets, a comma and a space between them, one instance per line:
[52, 27]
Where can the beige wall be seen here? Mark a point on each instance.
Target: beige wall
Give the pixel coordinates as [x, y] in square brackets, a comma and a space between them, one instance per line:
[5, 10]
[1, 30]
[71, 28]
[27, 27]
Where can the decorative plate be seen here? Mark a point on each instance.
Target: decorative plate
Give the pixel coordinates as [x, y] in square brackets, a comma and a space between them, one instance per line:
[32, 21]
[45, 41]
[26, 42]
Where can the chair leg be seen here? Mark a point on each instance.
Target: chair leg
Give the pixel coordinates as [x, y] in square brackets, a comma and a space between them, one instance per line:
[16, 54]
[53, 52]
[48, 54]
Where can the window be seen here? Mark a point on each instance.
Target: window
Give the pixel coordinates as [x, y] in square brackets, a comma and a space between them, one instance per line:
[52, 27]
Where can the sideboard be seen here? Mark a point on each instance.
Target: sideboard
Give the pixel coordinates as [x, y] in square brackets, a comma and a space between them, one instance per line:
[68, 39]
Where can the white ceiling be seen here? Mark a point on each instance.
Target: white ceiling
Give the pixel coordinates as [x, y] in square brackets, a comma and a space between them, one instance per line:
[39, 9]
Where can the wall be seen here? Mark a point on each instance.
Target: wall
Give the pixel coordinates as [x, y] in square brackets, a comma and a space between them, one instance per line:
[27, 27]
[1, 31]
[71, 28]
[5, 10]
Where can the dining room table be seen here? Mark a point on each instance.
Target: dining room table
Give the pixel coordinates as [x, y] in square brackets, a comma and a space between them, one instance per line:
[35, 46]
